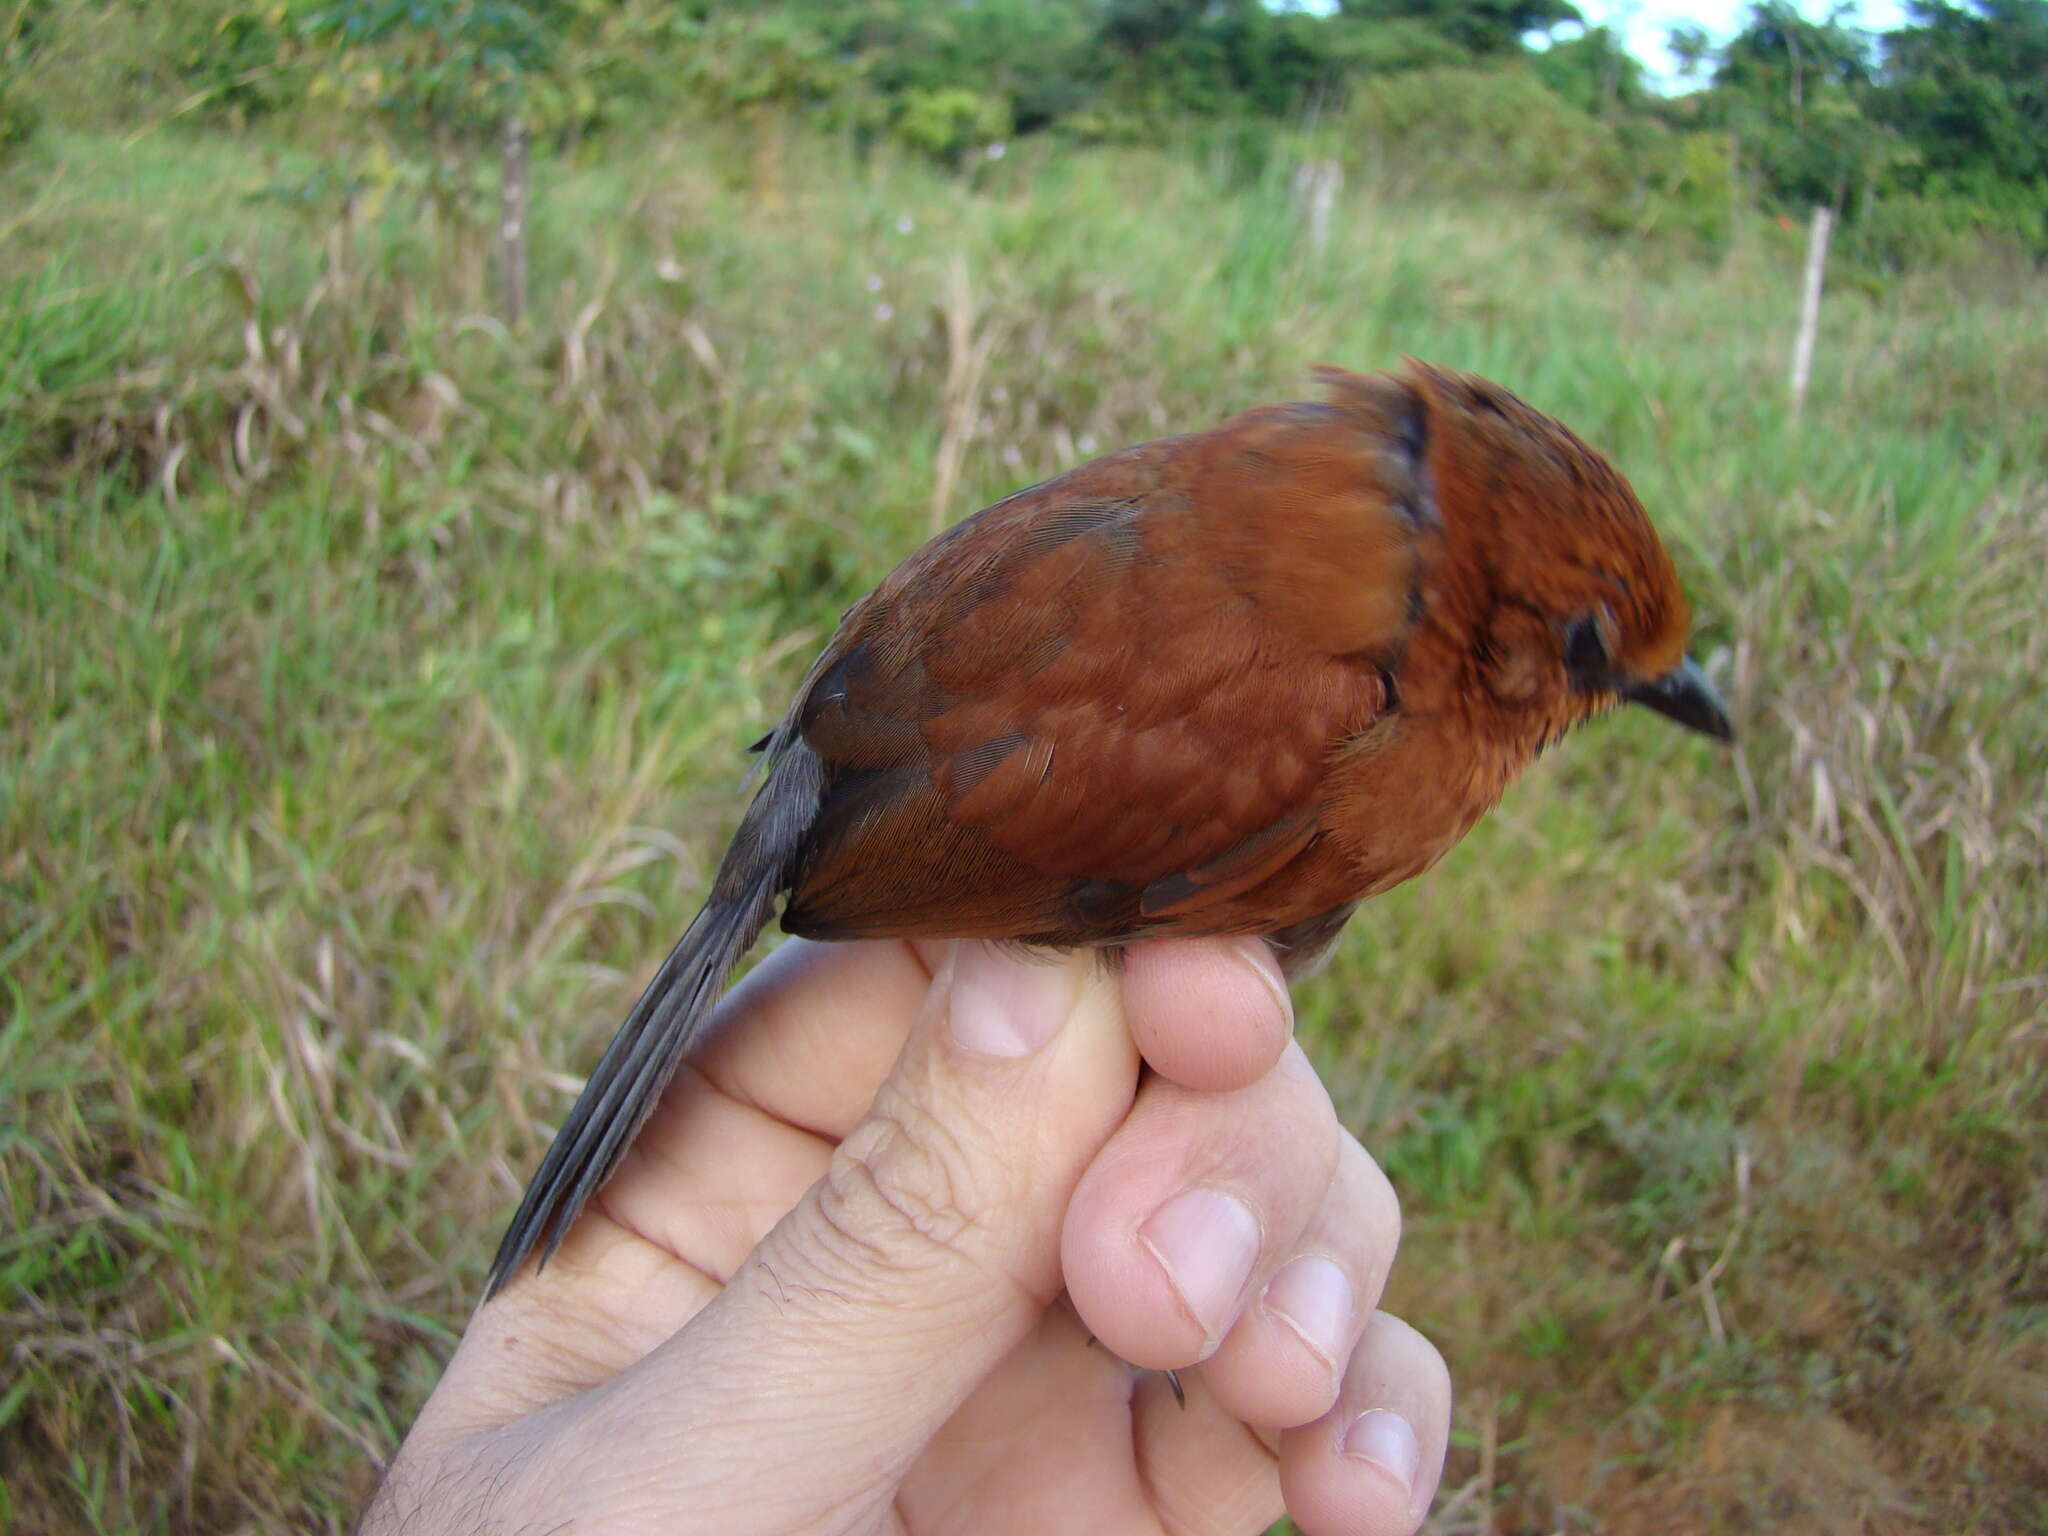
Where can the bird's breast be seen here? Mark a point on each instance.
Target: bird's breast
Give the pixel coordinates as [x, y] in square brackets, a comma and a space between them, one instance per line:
[1402, 796]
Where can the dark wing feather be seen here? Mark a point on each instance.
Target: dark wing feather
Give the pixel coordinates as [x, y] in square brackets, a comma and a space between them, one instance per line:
[671, 1014]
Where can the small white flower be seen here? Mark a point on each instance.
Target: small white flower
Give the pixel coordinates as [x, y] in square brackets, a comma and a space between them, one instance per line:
[905, 224]
[1087, 445]
[669, 270]
[885, 312]
[874, 282]
[996, 151]
[1012, 455]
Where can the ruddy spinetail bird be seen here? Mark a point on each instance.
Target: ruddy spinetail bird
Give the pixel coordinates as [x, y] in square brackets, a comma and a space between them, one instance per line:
[1232, 682]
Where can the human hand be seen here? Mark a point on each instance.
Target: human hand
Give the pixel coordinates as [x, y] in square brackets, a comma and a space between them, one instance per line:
[824, 1290]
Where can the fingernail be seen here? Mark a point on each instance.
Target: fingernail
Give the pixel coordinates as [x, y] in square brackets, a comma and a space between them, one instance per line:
[1003, 1004]
[1258, 955]
[1313, 1298]
[1385, 1439]
[1207, 1243]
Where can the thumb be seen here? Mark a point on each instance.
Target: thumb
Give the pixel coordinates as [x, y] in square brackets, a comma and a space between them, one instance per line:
[929, 1249]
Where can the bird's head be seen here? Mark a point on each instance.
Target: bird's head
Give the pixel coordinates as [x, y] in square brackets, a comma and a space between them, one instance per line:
[1578, 600]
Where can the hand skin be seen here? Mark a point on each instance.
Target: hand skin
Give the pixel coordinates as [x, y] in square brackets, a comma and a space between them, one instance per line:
[847, 1278]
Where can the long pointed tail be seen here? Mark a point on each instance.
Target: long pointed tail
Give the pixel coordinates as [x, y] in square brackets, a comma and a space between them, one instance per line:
[670, 1016]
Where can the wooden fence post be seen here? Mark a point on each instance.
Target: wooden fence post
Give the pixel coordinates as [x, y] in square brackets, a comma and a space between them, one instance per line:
[1316, 184]
[1809, 306]
[514, 189]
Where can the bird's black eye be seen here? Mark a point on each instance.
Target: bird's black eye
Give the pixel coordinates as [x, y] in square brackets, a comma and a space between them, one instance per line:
[1585, 652]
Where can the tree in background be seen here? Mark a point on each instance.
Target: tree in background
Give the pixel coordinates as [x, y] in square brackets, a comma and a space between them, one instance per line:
[453, 74]
[1595, 73]
[1693, 50]
[944, 78]
[1479, 27]
[456, 77]
[1937, 128]
[1793, 91]
[1233, 57]
[1968, 89]
[759, 67]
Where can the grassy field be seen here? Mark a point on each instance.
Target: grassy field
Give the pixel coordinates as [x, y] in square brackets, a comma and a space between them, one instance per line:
[372, 696]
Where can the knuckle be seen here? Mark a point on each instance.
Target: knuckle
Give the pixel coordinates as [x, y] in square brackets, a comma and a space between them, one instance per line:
[1378, 1203]
[902, 1187]
[1309, 1108]
[1394, 1347]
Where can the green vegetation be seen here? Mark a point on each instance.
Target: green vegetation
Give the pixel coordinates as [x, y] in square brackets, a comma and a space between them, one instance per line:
[375, 681]
[1926, 141]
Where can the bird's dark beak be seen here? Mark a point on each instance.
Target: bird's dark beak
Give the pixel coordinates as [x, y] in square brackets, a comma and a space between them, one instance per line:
[1684, 694]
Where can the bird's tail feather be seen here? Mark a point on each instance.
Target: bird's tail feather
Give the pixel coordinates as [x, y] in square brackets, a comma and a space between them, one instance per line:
[669, 1018]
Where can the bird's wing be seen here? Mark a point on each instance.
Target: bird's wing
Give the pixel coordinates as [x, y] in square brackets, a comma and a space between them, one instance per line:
[1107, 704]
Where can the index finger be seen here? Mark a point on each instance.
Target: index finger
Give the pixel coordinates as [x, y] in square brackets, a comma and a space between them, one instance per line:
[809, 1034]
[812, 1031]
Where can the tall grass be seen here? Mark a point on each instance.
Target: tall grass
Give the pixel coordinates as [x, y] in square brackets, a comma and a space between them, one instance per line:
[373, 689]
